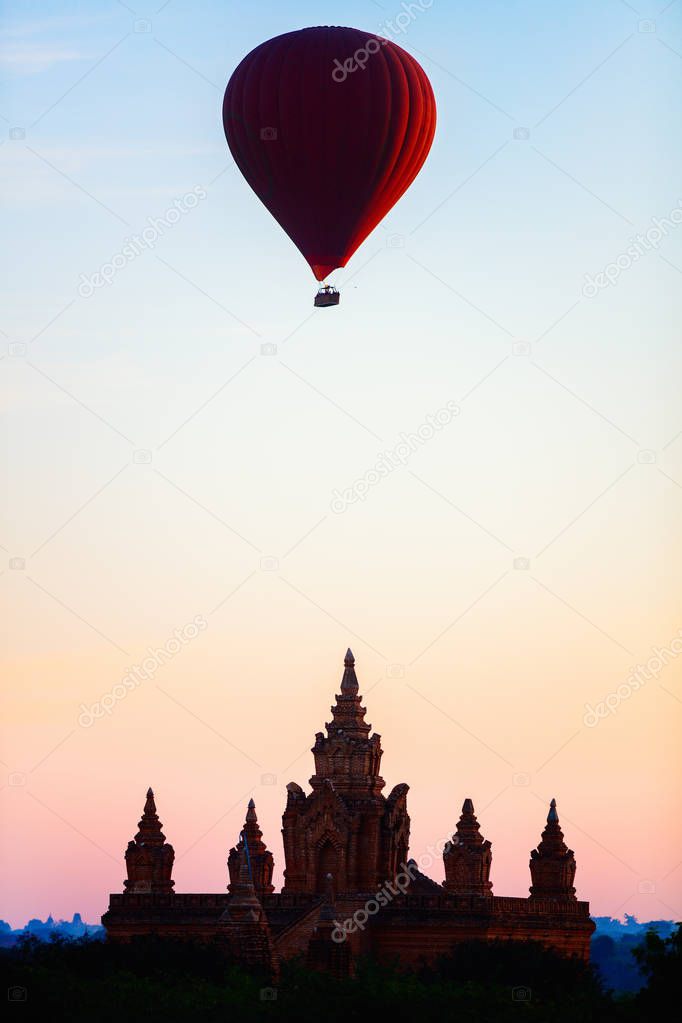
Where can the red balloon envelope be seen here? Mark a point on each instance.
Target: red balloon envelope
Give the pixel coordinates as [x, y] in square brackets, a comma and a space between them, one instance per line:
[329, 126]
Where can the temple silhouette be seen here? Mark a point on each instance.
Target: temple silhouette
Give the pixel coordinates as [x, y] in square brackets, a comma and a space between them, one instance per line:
[349, 887]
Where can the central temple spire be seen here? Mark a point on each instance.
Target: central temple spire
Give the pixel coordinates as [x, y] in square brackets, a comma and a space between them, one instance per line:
[348, 715]
[345, 827]
[349, 682]
[348, 757]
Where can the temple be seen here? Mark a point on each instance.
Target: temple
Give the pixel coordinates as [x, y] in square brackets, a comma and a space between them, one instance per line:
[350, 888]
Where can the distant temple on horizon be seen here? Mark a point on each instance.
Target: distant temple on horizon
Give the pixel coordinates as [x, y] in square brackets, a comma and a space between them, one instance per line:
[349, 888]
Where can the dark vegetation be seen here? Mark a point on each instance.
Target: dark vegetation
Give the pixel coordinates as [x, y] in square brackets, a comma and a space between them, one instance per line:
[478, 981]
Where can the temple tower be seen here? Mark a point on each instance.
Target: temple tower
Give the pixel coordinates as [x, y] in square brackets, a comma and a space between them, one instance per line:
[345, 827]
[259, 856]
[552, 864]
[149, 857]
[467, 857]
[243, 927]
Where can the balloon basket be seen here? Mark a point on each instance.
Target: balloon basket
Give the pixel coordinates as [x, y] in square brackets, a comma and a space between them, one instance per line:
[327, 295]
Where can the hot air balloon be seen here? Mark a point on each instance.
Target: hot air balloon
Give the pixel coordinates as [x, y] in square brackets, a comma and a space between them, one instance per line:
[329, 126]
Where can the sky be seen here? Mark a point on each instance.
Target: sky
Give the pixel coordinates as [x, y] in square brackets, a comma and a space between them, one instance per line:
[190, 446]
